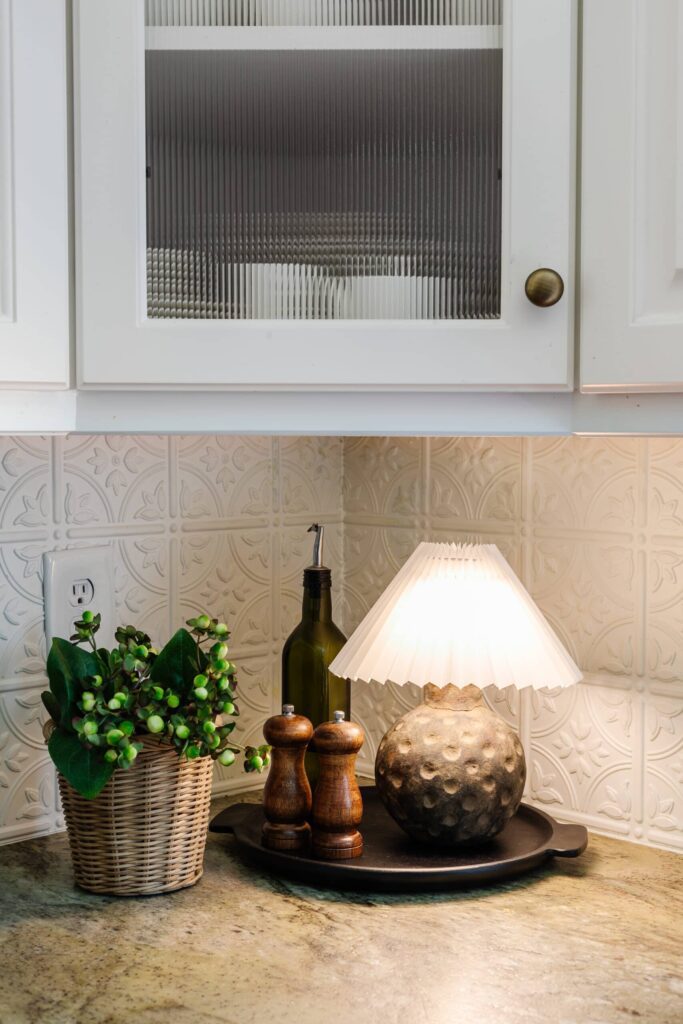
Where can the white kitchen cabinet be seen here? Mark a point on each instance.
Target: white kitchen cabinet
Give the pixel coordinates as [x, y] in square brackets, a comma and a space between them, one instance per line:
[34, 196]
[319, 194]
[632, 196]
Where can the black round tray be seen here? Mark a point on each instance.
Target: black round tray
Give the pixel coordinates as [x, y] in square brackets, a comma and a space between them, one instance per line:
[392, 861]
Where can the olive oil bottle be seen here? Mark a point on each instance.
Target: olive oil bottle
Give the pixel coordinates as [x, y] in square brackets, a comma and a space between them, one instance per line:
[307, 682]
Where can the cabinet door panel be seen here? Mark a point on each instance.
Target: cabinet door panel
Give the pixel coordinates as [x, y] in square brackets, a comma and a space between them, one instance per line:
[34, 256]
[311, 199]
[632, 197]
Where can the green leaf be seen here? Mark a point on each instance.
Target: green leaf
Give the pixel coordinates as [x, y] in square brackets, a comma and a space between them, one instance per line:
[67, 668]
[85, 769]
[52, 705]
[176, 665]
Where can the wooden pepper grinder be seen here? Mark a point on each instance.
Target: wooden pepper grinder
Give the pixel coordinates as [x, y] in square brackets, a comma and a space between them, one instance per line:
[287, 793]
[337, 803]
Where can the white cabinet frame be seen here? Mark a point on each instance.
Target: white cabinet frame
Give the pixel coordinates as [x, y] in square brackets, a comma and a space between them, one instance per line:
[34, 195]
[119, 347]
[632, 196]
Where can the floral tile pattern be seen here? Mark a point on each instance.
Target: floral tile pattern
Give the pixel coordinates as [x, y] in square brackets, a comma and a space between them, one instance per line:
[383, 477]
[663, 784]
[28, 795]
[476, 479]
[594, 527]
[195, 522]
[225, 477]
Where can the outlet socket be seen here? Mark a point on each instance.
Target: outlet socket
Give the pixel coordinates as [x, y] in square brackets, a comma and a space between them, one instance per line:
[73, 581]
[82, 593]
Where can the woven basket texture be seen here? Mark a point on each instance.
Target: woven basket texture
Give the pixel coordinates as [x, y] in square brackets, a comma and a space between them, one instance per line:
[146, 831]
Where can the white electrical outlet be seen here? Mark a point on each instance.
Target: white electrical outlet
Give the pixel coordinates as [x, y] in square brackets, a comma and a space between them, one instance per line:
[73, 581]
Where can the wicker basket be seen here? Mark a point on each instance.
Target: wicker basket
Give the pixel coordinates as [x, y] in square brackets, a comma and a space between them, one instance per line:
[146, 831]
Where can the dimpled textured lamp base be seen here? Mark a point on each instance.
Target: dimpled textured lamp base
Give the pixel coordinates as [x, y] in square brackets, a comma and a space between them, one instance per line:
[451, 772]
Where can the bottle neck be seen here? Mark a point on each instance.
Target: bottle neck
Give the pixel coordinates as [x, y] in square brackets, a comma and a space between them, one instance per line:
[317, 600]
[317, 608]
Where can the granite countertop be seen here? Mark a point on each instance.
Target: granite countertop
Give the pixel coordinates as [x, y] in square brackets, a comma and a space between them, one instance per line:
[587, 941]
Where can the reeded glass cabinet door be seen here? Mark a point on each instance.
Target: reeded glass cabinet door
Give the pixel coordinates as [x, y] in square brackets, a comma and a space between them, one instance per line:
[320, 193]
[328, 182]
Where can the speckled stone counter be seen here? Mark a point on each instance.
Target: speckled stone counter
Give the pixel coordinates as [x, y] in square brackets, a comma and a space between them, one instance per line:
[599, 939]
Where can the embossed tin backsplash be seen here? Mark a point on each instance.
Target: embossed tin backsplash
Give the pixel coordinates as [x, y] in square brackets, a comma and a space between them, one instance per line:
[593, 526]
[196, 522]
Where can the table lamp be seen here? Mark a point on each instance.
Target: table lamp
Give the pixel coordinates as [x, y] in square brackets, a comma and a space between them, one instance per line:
[454, 619]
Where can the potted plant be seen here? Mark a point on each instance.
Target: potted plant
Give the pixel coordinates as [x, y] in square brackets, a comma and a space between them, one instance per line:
[134, 732]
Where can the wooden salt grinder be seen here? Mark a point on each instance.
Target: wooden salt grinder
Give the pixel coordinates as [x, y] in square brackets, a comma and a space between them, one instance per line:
[337, 803]
[287, 793]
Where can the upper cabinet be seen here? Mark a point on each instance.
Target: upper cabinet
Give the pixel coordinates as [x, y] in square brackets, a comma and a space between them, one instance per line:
[34, 196]
[312, 194]
[632, 196]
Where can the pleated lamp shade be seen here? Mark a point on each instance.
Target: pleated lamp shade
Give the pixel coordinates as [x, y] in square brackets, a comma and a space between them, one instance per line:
[456, 613]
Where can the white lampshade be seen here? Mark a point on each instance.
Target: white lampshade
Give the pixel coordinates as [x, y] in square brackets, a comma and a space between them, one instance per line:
[456, 613]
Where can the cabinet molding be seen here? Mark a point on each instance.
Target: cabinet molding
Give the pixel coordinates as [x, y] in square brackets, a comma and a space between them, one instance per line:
[338, 413]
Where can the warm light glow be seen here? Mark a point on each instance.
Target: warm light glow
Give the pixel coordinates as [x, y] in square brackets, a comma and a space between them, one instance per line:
[456, 614]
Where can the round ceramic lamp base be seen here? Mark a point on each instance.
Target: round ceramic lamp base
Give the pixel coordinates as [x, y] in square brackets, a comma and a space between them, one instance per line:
[451, 771]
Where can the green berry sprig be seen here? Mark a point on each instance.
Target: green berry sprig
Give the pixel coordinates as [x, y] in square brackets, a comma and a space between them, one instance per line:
[184, 699]
[257, 758]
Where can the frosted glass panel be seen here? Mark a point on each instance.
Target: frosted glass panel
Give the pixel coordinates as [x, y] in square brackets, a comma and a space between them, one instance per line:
[324, 184]
[322, 12]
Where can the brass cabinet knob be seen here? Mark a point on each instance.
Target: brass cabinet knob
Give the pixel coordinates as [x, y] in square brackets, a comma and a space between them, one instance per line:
[544, 287]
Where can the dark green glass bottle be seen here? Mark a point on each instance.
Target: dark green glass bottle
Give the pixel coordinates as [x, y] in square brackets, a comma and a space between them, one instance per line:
[307, 682]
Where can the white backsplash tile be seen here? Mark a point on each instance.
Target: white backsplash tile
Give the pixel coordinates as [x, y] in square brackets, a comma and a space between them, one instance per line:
[594, 527]
[195, 523]
[28, 793]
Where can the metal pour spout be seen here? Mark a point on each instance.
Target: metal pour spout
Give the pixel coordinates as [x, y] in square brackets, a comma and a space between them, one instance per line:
[318, 545]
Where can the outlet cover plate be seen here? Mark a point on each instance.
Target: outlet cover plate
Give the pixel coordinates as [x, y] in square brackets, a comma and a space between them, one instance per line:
[63, 569]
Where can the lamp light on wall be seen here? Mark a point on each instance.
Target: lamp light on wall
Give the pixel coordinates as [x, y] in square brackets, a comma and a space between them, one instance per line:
[454, 620]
